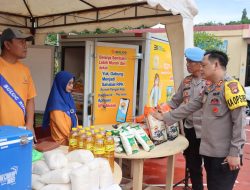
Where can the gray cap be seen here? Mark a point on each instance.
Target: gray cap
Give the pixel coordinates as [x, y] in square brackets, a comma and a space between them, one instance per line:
[14, 33]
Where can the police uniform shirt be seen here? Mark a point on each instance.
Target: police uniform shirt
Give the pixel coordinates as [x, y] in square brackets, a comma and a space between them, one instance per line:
[223, 118]
[189, 89]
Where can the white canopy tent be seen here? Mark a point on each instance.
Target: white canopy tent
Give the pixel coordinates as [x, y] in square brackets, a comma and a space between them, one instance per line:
[41, 17]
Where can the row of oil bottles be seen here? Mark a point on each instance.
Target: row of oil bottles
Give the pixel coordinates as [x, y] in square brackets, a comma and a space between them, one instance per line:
[98, 141]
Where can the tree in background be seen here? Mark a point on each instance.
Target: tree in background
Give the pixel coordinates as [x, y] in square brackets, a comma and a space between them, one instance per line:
[208, 41]
[244, 14]
[244, 20]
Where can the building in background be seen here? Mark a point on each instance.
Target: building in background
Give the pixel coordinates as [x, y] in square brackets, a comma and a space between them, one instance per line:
[236, 40]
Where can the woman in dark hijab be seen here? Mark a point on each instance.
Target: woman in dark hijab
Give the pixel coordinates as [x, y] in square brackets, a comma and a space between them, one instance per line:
[60, 112]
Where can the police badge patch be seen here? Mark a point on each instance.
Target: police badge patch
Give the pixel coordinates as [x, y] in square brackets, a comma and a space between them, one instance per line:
[235, 95]
[233, 87]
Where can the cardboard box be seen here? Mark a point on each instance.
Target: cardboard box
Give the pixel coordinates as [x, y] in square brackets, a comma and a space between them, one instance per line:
[15, 158]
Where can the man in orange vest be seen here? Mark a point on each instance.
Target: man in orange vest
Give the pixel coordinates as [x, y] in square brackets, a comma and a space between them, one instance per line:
[17, 90]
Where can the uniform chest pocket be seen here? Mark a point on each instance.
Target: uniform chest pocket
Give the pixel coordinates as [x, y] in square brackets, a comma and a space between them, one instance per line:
[217, 107]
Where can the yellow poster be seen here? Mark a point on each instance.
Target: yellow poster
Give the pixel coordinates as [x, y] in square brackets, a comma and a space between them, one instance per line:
[114, 80]
[160, 75]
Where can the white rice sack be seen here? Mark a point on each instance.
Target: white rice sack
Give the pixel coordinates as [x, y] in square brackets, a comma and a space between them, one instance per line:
[36, 184]
[55, 159]
[94, 172]
[80, 179]
[56, 176]
[106, 176]
[128, 141]
[113, 187]
[82, 156]
[40, 167]
[57, 187]
[73, 165]
[142, 137]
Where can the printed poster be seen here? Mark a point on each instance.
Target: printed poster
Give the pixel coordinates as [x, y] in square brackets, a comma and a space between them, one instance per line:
[114, 80]
[160, 75]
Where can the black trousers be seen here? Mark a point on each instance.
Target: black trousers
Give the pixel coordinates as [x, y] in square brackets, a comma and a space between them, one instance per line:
[194, 159]
[219, 177]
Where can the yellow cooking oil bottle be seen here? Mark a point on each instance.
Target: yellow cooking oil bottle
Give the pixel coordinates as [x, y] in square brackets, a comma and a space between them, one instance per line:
[96, 132]
[110, 149]
[81, 139]
[89, 142]
[99, 148]
[87, 129]
[79, 127]
[92, 129]
[73, 139]
[102, 131]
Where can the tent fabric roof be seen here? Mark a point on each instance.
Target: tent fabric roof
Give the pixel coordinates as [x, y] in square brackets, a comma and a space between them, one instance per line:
[51, 7]
[56, 14]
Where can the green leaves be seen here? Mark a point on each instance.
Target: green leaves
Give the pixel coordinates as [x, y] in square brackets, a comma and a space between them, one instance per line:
[207, 41]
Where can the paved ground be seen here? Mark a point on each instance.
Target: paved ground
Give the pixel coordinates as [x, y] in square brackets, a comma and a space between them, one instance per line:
[155, 169]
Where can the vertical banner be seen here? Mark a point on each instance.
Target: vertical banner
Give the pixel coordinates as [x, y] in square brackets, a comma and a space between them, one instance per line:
[114, 80]
[160, 75]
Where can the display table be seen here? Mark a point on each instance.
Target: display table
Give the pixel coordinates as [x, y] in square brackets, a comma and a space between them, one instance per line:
[117, 175]
[167, 149]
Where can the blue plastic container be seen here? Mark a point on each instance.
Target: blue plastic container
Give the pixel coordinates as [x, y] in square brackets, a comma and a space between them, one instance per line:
[15, 158]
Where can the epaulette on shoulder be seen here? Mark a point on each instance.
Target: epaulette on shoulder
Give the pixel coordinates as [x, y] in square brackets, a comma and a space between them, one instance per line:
[188, 78]
[208, 83]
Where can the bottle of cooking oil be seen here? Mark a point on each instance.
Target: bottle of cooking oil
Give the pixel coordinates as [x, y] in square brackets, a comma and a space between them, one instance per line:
[89, 142]
[79, 127]
[96, 132]
[92, 129]
[73, 139]
[110, 149]
[102, 131]
[87, 129]
[81, 139]
[99, 148]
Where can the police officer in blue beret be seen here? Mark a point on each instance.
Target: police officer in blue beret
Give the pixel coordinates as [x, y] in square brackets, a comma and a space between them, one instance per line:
[189, 89]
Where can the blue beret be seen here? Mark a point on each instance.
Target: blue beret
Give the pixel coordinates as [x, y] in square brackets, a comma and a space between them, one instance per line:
[194, 54]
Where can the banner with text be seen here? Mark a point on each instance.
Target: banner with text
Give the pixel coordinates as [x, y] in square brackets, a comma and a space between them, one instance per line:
[114, 79]
[160, 75]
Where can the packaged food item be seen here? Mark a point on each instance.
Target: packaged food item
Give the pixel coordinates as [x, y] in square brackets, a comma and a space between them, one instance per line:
[102, 131]
[123, 125]
[36, 184]
[40, 167]
[55, 159]
[143, 126]
[73, 139]
[157, 130]
[110, 149]
[79, 127]
[128, 141]
[81, 156]
[172, 131]
[55, 176]
[92, 129]
[99, 148]
[148, 110]
[140, 119]
[89, 141]
[142, 138]
[164, 108]
[81, 142]
[118, 143]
